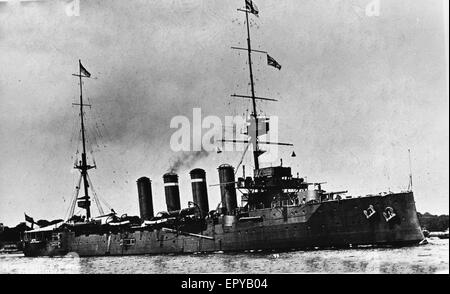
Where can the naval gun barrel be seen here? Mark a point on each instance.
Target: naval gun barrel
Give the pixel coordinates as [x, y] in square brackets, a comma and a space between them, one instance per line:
[336, 193]
[187, 233]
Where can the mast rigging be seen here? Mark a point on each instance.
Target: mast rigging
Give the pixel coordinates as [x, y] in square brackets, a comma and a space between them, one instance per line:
[254, 140]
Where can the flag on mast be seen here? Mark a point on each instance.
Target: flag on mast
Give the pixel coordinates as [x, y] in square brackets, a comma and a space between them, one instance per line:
[251, 7]
[29, 219]
[84, 71]
[273, 62]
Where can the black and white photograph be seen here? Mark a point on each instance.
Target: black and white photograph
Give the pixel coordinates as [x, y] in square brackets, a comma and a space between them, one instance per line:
[224, 137]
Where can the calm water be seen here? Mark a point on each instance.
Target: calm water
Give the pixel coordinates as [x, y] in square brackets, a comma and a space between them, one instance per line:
[430, 258]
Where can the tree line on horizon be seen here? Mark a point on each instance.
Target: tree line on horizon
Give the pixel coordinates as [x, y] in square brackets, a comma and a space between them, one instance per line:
[433, 223]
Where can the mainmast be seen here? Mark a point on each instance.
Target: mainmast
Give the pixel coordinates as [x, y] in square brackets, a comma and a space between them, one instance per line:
[255, 115]
[250, 7]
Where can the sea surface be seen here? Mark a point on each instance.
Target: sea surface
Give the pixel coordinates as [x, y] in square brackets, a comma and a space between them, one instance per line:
[430, 258]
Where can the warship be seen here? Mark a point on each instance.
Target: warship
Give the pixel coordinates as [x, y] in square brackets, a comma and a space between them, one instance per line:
[278, 211]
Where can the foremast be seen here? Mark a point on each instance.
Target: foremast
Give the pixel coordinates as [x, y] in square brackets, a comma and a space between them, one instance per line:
[83, 202]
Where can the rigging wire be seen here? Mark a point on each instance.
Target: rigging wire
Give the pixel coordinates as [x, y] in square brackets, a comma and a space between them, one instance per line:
[96, 200]
[95, 135]
[71, 209]
[242, 158]
[91, 139]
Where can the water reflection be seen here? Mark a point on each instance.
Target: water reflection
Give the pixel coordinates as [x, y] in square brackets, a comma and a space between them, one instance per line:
[430, 258]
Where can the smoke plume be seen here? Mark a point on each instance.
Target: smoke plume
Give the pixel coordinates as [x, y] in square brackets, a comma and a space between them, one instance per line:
[187, 160]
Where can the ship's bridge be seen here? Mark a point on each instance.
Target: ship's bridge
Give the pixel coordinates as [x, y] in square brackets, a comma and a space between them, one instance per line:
[270, 178]
[276, 171]
[270, 184]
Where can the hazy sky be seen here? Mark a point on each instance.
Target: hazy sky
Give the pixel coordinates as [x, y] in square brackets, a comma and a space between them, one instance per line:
[355, 92]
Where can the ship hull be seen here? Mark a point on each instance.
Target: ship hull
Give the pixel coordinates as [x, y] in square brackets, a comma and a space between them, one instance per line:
[337, 223]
